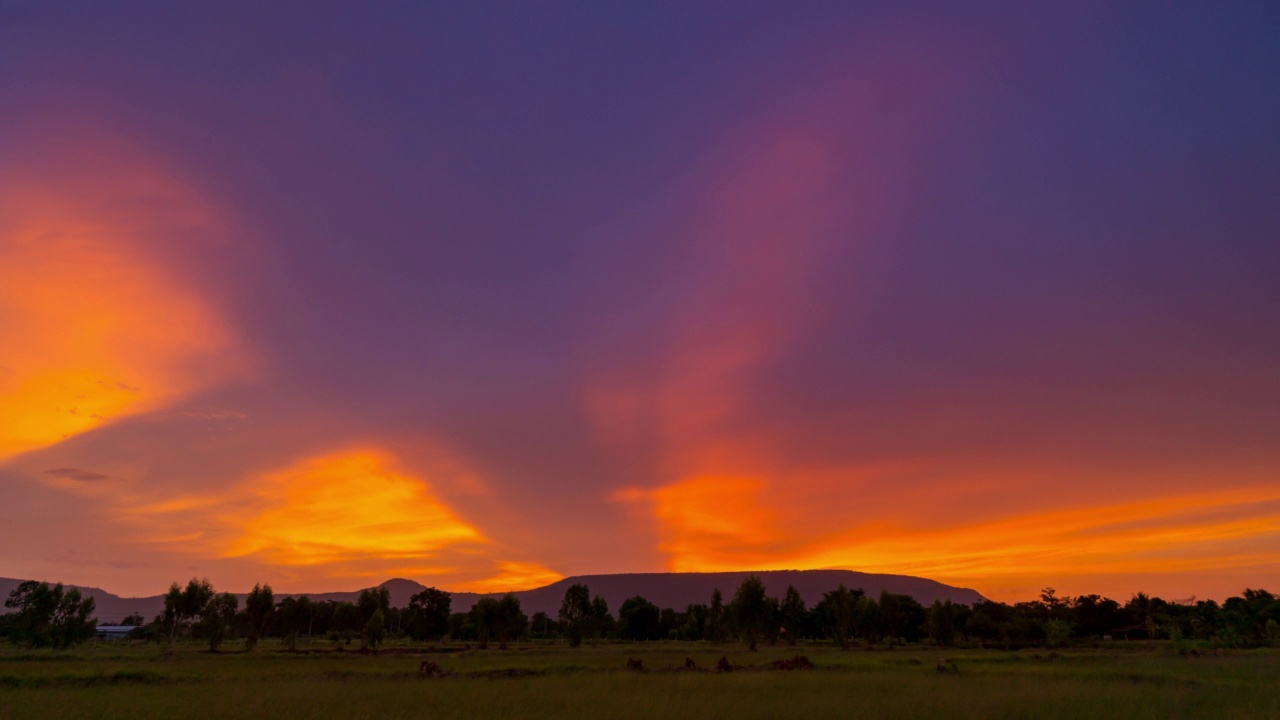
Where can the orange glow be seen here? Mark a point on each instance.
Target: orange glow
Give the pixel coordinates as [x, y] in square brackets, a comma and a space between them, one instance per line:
[709, 518]
[344, 507]
[358, 515]
[731, 494]
[92, 329]
[720, 525]
[513, 576]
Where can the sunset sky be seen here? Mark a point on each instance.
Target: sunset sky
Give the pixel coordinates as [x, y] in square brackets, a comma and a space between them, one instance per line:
[489, 294]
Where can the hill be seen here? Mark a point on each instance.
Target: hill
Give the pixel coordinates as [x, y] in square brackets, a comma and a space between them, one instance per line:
[676, 590]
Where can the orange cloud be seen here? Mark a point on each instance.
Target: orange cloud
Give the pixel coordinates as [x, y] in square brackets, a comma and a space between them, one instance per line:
[93, 327]
[714, 525]
[355, 515]
[513, 576]
[347, 507]
[709, 522]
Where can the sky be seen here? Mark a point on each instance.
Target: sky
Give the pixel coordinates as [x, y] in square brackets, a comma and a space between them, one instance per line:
[489, 294]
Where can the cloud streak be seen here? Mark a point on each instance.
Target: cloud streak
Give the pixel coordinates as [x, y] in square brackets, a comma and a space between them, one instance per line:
[93, 328]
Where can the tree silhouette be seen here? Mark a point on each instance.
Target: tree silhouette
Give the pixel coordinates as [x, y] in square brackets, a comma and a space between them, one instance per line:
[839, 611]
[429, 614]
[716, 617]
[295, 617]
[638, 619]
[602, 622]
[749, 609]
[257, 611]
[484, 615]
[48, 615]
[216, 618]
[942, 622]
[509, 621]
[374, 630]
[901, 615]
[793, 611]
[576, 612]
[182, 605]
[346, 620]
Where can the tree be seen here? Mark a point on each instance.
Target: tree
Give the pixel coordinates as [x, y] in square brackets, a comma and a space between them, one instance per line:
[461, 626]
[216, 618]
[772, 624]
[1054, 606]
[429, 614]
[576, 612]
[793, 611]
[71, 620]
[295, 614]
[695, 622]
[508, 620]
[172, 608]
[257, 612]
[902, 615]
[541, 625]
[48, 615]
[346, 620]
[1254, 617]
[716, 617]
[868, 619]
[749, 609]
[669, 623]
[183, 605]
[1149, 612]
[1204, 619]
[372, 600]
[374, 629]
[839, 610]
[638, 619]
[306, 610]
[1056, 633]
[942, 622]
[484, 616]
[1095, 616]
[602, 623]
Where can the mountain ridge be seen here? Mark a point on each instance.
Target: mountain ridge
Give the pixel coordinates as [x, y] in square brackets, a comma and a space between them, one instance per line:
[676, 590]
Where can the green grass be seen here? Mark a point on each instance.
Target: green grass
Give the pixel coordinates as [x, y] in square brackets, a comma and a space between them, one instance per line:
[553, 681]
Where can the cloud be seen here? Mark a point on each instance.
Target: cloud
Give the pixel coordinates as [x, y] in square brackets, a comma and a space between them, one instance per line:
[513, 576]
[800, 185]
[714, 524]
[709, 522]
[95, 325]
[344, 508]
[82, 476]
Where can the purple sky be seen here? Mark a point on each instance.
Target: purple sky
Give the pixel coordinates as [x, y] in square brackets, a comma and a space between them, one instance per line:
[991, 296]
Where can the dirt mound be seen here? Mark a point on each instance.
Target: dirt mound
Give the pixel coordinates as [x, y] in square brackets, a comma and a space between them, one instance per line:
[799, 662]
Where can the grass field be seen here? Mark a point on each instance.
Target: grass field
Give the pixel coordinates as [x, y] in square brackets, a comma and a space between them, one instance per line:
[554, 681]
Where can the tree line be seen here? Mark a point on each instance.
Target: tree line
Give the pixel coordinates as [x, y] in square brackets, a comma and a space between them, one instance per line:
[47, 615]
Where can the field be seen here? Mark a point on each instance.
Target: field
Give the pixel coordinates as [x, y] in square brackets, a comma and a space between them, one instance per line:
[553, 681]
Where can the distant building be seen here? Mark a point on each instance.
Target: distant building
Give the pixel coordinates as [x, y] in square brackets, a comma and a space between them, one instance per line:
[115, 632]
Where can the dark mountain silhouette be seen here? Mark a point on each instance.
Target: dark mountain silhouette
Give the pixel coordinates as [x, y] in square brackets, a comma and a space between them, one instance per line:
[675, 590]
[678, 590]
